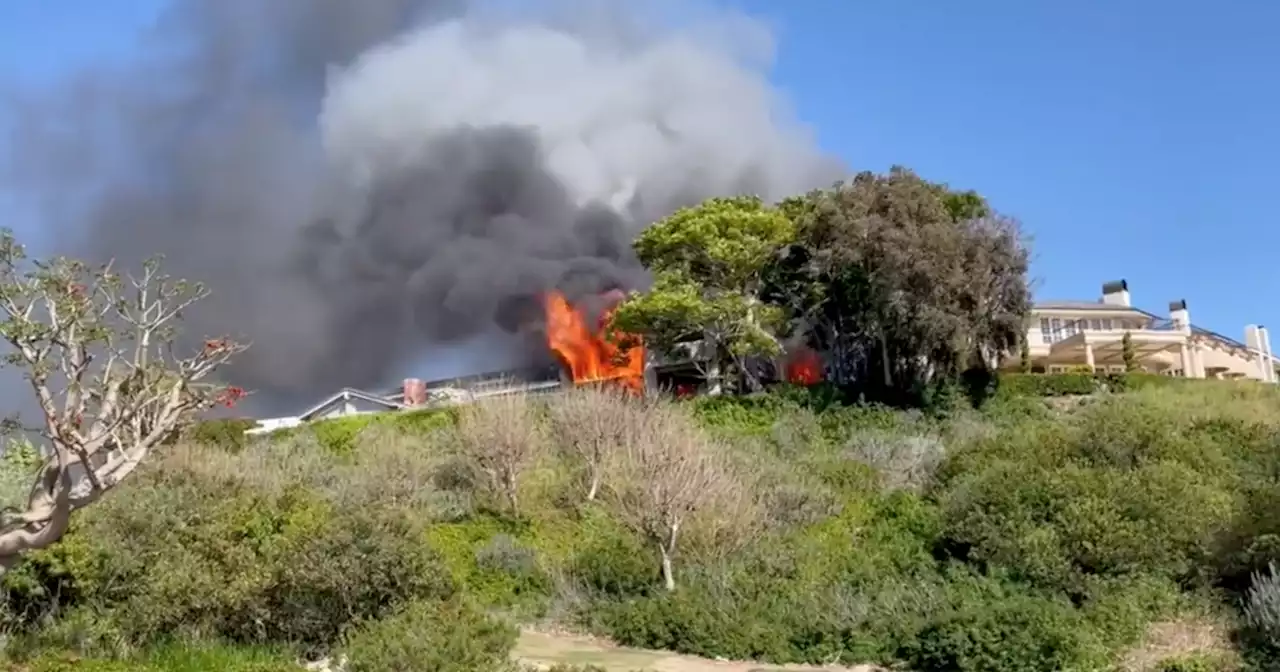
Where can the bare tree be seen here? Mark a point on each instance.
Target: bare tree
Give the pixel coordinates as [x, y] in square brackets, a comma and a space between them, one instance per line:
[591, 423]
[669, 472]
[503, 438]
[99, 352]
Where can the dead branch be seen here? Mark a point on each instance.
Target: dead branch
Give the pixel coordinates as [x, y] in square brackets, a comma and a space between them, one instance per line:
[669, 472]
[503, 438]
[590, 424]
[98, 350]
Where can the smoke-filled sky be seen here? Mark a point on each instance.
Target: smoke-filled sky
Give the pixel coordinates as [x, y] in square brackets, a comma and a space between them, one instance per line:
[366, 186]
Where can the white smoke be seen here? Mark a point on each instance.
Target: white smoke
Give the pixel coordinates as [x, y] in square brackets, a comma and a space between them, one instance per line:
[616, 122]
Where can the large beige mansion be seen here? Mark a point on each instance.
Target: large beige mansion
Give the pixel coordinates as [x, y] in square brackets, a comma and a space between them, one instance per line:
[1067, 335]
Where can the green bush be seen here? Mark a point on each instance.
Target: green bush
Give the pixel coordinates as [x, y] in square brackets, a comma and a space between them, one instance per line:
[165, 658]
[1020, 536]
[1020, 633]
[430, 636]
[1079, 383]
[1190, 663]
[615, 566]
[226, 433]
[1116, 492]
[210, 560]
[1047, 385]
[339, 434]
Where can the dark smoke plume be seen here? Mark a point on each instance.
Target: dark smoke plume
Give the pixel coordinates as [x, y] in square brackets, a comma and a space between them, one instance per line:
[372, 188]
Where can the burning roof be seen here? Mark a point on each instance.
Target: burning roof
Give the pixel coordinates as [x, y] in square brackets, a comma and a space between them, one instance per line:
[587, 348]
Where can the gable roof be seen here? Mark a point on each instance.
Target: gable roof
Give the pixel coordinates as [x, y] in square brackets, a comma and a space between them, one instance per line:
[347, 394]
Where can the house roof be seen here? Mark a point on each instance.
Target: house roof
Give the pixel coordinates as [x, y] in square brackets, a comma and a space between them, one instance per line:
[1083, 305]
[1098, 305]
[346, 394]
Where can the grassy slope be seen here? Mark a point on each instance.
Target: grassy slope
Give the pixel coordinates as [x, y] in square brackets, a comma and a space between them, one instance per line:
[907, 546]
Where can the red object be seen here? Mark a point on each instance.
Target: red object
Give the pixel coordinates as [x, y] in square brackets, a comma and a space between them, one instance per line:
[229, 396]
[804, 367]
[415, 392]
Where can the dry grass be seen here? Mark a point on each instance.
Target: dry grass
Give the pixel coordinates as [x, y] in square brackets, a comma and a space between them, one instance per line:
[544, 650]
[902, 462]
[389, 467]
[1246, 401]
[1173, 639]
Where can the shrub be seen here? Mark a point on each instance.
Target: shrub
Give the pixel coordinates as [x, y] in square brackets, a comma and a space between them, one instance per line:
[903, 462]
[211, 559]
[339, 434]
[1119, 491]
[502, 437]
[1081, 382]
[18, 466]
[227, 433]
[358, 566]
[1262, 605]
[510, 570]
[1016, 634]
[1046, 385]
[615, 566]
[1197, 662]
[671, 479]
[430, 636]
[589, 425]
[200, 660]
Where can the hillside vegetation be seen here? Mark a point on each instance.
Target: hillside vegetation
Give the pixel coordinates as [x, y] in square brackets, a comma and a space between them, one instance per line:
[1017, 537]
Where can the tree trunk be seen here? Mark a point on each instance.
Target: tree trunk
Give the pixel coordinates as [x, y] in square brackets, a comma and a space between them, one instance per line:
[513, 495]
[595, 485]
[884, 358]
[715, 381]
[668, 573]
[668, 549]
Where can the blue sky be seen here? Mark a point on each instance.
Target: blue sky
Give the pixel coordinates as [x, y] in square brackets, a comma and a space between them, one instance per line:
[1134, 139]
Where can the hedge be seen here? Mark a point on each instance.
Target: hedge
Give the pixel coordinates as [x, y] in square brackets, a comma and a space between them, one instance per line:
[337, 434]
[1067, 384]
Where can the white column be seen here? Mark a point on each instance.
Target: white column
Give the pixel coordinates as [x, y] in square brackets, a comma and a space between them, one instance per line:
[1197, 360]
[1269, 368]
[1088, 355]
[1186, 360]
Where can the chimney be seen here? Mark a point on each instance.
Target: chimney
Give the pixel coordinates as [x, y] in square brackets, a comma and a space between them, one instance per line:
[415, 392]
[1268, 358]
[1255, 337]
[1116, 293]
[1179, 315]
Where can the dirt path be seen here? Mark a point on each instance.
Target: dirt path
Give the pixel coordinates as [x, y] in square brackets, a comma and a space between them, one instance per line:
[546, 649]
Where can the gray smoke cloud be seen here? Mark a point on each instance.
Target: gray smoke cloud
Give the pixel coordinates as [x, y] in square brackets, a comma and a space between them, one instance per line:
[373, 189]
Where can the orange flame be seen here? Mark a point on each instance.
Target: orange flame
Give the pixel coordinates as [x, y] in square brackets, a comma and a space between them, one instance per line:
[586, 352]
[804, 367]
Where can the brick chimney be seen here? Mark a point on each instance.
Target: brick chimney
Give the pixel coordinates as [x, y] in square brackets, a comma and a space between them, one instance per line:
[415, 392]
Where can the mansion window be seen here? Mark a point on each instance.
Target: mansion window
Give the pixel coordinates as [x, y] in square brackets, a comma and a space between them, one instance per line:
[1054, 329]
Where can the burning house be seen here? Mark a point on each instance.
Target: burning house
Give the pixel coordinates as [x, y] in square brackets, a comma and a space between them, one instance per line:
[576, 338]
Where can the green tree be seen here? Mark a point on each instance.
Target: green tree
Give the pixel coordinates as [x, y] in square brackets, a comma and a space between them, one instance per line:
[1024, 363]
[98, 351]
[903, 279]
[1127, 353]
[709, 263]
